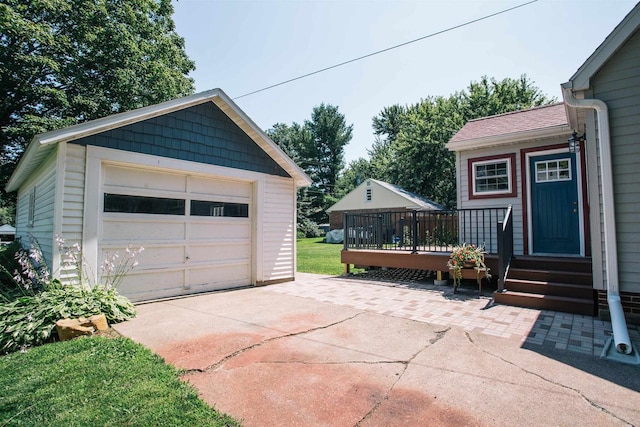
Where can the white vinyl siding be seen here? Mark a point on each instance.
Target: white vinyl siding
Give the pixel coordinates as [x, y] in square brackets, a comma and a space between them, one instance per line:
[279, 231]
[44, 182]
[73, 202]
[617, 85]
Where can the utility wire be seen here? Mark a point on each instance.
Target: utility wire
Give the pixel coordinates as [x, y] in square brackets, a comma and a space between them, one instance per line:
[387, 49]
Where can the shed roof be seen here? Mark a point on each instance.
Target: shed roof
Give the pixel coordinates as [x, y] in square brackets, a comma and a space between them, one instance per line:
[43, 144]
[7, 229]
[400, 198]
[421, 202]
[544, 121]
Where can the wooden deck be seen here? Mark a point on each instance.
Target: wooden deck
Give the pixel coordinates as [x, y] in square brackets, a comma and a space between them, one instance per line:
[433, 261]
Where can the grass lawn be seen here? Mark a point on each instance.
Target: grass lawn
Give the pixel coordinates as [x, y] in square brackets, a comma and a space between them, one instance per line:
[98, 381]
[314, 256]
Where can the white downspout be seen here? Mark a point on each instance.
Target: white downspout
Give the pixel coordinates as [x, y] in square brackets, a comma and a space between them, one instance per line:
[618, 322]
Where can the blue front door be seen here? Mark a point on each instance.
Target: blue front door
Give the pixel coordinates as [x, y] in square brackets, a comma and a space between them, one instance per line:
[555, 210]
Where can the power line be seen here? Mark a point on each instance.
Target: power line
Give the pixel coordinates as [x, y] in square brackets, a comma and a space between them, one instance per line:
[388, 49]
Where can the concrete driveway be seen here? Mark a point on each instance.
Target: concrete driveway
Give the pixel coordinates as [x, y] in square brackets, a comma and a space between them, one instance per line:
[270, 358]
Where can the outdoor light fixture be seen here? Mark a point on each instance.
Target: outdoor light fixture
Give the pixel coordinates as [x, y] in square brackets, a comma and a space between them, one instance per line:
[574, 142]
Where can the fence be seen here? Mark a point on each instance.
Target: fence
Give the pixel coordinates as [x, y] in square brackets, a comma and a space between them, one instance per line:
[423, 231]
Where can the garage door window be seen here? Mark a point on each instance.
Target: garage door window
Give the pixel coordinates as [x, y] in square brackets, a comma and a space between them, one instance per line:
[144, 205]
[206, 208]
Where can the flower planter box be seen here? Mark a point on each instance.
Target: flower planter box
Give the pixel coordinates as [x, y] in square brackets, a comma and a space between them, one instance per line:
[471, 274]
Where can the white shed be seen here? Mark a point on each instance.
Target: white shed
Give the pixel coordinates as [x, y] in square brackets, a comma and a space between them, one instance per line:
[377, 196]
[194, 180]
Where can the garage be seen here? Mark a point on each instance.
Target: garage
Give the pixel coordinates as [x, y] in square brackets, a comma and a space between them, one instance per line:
[194, 181]
[195, 230]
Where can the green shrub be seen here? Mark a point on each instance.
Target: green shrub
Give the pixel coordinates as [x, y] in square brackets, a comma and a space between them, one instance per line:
[30, 320]
[9, 266]
[308, 228]
[30, 307]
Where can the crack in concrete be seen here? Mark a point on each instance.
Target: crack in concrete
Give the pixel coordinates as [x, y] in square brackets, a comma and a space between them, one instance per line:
[346, 362]
[439, 335]
[405, 364]
[266, 341]
[550, 381]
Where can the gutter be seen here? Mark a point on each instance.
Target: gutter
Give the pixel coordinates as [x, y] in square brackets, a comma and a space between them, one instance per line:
[618, 322]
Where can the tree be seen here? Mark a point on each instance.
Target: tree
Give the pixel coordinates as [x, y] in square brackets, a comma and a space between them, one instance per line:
[325, 153]
[422, 163]
[389, 123]
[318, 147]
[489, 97]
[410, 141]
[68, 61]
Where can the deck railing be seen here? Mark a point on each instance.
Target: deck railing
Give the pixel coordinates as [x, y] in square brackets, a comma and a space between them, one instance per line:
[423, 231]
[505, 247]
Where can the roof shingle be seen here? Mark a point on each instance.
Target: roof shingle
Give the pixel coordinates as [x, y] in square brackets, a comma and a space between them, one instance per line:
[518, 121]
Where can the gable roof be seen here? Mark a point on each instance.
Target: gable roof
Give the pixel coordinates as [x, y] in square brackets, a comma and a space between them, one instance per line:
[400, 198]
[420, 201]
[581, 80]
[7, 229]
[537, 122]
[43, 144]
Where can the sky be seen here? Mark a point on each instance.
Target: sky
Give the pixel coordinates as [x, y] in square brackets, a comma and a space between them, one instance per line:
[243, 45]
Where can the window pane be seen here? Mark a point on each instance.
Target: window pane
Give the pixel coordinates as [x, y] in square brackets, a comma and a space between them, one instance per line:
[206, 208]
[140, 204]
[492, 177]
[553, 170]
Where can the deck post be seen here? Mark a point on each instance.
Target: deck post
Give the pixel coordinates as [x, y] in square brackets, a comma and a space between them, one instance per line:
[414, 226]
[379, 231]
[345, 228]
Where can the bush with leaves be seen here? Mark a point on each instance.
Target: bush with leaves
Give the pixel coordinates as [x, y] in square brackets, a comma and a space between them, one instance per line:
[30, 320]
[9, 265]
[308, 228]
[28, 317]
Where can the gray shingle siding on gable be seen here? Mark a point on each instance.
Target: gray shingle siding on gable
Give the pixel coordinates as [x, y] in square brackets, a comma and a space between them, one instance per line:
[202, 133]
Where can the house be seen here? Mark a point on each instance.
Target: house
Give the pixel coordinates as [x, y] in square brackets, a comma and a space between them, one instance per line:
[522, 160]
[373, 196]
[603, 101]
[7, 234]
[497, 159]
[194, 181]
[570, 205]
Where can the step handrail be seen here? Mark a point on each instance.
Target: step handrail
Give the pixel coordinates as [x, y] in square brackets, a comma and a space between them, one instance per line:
[505, 247]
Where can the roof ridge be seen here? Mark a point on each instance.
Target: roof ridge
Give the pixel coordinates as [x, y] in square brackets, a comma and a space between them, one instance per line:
[539, 107]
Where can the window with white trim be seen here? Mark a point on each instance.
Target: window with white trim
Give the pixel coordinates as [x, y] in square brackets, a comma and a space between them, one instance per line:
[553, 170]
[492, 177]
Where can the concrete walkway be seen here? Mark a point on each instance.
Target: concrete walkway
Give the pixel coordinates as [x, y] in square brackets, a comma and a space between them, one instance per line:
[349, 352]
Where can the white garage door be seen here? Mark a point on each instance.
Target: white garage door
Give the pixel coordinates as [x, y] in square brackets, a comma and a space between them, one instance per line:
[196, 231]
